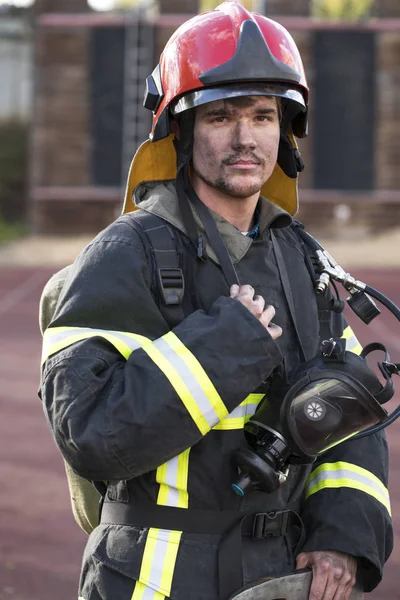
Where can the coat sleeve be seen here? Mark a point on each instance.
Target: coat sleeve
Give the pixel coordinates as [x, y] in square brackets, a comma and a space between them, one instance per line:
[49, 298]
[346, 501]
[122, 393]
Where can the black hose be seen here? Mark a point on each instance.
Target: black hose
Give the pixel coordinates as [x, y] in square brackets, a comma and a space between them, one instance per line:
[383, 300]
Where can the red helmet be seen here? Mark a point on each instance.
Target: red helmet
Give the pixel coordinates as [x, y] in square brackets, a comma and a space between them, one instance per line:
[224, 53]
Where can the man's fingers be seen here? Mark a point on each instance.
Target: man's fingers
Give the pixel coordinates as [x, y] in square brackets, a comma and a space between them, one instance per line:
[268, 314]
[259, 305]
[319, 584]
[266, 318]
[234, 290]
[348, 581]
[256, 305]
[246, 292]
[334, 574]
[334, 589]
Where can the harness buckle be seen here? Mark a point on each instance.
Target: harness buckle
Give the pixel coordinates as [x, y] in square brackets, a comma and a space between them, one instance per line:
[172, 285]
[271, 524]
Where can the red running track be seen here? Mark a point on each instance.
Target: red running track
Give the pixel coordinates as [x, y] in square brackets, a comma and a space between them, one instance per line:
[40, 544]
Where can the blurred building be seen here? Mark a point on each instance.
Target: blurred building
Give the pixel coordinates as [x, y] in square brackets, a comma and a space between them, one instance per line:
[15, 68]
[15, 113]
[88, 118]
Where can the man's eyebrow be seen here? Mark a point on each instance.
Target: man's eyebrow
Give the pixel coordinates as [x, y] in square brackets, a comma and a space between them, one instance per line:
[217, 112]
[266, 110]
[221, 112]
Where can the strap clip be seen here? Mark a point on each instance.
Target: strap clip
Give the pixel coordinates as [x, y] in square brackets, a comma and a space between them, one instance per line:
[271, 524]
[172, 285]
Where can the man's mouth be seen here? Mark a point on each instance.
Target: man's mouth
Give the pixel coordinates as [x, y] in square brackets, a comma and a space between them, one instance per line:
[244, 164]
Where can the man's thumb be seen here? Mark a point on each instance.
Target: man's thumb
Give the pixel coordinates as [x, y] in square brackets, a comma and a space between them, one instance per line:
[302, 561]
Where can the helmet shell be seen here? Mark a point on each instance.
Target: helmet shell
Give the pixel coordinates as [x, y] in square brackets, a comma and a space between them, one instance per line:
[199, 53]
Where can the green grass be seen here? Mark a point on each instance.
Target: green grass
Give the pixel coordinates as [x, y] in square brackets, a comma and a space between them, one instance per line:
[10, 231]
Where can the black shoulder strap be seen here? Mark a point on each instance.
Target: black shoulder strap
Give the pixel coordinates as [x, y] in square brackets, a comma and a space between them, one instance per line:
[166, 258]
[287, 291]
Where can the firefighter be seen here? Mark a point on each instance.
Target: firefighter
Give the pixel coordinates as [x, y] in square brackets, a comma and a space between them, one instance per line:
[168, 333]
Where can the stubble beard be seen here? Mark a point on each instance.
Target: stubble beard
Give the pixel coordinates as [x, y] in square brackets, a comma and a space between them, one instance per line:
[223, 184]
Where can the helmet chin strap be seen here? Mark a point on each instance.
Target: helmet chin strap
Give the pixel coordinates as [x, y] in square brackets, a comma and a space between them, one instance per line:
[289, 158]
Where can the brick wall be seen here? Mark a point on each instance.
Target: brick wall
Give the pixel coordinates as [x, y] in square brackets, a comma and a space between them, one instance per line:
[387, 9]
[61, 139]
[61, 135]
[178, 6]
[60, 6]
[287, 7]
[388, 124]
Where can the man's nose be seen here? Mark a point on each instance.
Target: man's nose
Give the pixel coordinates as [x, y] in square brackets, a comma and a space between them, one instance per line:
[243, 136]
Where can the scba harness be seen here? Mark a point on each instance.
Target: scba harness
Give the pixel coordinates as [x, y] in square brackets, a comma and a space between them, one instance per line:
[168, 284]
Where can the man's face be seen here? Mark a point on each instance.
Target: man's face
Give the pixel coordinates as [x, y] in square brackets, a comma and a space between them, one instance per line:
[236, 144]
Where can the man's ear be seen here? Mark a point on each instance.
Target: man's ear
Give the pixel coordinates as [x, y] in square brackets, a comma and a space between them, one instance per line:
[175, 128]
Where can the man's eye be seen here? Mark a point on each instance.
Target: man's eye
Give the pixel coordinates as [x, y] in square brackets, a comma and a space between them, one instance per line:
[220, 119]
[263, 118]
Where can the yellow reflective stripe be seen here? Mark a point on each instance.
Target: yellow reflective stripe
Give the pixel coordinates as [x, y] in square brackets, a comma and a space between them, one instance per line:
[143, 592]
[159, 558]
[241, 414]
[352, 343]
[58, 338]
[339, 465]
[161, 549]
[169, 562]
[73, 339]
[253, 399]
[344, 474]
[182, 479]
[148, 554]
[179, 386]
[161, 476]
[231, 424]
[198, 372]
[172, 477]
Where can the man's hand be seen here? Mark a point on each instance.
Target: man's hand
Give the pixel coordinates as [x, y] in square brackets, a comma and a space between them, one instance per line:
[334, 574]
[256, 305]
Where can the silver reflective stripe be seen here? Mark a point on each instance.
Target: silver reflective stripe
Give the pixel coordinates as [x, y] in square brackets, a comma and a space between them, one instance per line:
[184, 372]
[189, 380]
[159, 557]
[352, 343]
[149, 594]
[173, 477]
[342, 474]
[241, 414]
[143, 592]
[61, 337]
[243, 410]
[170, 480]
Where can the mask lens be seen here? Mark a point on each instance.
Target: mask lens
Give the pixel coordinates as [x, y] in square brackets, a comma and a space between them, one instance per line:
[326, 412]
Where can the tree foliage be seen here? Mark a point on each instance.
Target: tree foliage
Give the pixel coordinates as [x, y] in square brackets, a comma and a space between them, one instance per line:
[351, 10]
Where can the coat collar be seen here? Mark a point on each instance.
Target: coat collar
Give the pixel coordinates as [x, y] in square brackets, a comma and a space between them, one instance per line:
[161, 200]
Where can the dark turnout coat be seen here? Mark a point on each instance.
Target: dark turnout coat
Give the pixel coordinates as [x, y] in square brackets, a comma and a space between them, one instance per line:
[158, 412]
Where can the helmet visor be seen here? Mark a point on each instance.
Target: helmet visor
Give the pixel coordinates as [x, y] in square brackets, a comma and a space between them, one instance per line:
[210, 94]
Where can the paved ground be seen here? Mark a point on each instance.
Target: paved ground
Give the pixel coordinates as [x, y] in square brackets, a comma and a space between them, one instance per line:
[40, 545]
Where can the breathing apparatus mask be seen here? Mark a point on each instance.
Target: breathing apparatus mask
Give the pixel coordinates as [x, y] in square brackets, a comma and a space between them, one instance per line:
[329, 399]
